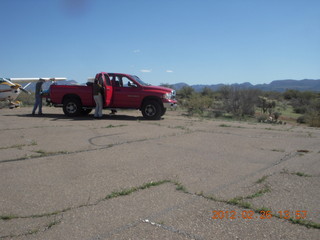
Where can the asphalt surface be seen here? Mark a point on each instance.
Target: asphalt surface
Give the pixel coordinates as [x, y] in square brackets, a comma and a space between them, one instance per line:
[123, 177]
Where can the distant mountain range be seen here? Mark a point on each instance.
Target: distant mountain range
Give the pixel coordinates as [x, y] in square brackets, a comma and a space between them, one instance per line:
[277, 85]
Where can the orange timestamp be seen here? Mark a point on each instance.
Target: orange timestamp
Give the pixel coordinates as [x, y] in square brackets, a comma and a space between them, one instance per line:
[250, 214]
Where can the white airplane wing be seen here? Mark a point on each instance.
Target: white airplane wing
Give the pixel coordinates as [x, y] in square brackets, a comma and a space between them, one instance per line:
[22, 80]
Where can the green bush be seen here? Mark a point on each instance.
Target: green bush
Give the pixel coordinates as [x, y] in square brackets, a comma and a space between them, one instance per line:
[301, 119]
[312, 115]
[197, 104]
[262, 118]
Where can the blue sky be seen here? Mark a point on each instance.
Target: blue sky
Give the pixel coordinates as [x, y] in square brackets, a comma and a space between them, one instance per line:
[162, 41]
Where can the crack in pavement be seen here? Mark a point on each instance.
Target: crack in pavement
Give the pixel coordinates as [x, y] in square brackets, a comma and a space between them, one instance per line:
[94, 149]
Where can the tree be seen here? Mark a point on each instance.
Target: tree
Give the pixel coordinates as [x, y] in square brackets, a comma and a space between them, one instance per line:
[207, 92]
[185, 92]
[239, 102]
[313, 113]
[266, 104]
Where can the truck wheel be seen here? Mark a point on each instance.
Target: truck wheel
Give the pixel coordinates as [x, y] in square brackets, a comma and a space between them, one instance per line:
[72, 107]
[163, 111]
[151, 110]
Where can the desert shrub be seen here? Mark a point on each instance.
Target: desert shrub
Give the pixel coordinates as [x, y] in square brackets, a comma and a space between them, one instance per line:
[217, 113]
[197, 104]
[300, 101]
[301, 119]
[298, 108]
[207, 92]
[312, 115]
[239, 102]
[185, 93]
[290, 94]
[266, 105]
[313, 119]
[262, 118]
[276, 115]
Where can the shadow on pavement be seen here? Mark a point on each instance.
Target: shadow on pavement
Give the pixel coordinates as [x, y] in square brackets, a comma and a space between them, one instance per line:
[55, 117]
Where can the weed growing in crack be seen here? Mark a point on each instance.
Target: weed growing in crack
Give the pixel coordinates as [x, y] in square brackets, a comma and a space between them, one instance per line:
[301, 174]
[259, 193]
[261, 180]
[114, 126]
[303, 151]
[262, 210]
[285, 171]
[224, 125]
[19, 146]
[244, 205]
[7, 217]
[180, 187]
[306, 223]
[53, 223]
[234, 201]
[278, 150]
[128, 191]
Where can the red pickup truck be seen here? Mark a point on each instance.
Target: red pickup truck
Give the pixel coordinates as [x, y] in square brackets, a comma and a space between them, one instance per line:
[120, 91]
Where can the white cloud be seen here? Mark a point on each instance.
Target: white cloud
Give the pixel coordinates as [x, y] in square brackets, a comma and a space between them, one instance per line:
[169, 71]
[146, 70]
[136, 51]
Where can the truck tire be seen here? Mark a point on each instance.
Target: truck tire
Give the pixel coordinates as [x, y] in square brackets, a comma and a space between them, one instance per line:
[163, 111]
[72, 107]
[151, 110]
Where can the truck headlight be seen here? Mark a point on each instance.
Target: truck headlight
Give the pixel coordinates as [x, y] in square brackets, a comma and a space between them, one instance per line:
[167, 96]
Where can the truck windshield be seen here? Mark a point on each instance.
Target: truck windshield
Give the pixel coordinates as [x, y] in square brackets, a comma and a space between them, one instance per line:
[140, 81]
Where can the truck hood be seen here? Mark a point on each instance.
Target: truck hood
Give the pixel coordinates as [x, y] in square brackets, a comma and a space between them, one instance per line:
[163, 89]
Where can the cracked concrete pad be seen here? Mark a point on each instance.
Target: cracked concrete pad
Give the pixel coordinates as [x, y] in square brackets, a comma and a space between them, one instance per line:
[110, 218]
[26, 226]
[196, 220]
[146, 231]
[292, 193]
[64, 168]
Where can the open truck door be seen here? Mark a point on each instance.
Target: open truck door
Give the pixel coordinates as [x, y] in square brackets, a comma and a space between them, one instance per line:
[108, 90]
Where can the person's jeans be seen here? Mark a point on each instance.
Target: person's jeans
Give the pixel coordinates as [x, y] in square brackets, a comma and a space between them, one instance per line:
[98, 109]
[38, 103]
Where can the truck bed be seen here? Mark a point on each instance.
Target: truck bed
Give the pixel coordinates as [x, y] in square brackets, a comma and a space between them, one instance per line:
[59, 92]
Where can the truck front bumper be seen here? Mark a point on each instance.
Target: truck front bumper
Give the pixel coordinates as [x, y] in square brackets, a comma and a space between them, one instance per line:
[169, 105]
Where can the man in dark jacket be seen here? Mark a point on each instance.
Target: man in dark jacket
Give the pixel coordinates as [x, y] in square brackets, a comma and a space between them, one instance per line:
[38, 101]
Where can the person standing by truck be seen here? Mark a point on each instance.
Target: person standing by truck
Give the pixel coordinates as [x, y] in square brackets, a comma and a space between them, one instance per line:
[38, 101]
[97, 96]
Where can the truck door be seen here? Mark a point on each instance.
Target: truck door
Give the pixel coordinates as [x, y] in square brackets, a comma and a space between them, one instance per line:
[126, 94]
[108, 90]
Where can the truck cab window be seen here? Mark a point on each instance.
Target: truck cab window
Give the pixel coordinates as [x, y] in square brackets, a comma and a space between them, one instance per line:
[128, 83]
[107, 79]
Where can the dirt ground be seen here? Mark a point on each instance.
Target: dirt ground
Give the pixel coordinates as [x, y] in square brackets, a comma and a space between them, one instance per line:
[123, 177]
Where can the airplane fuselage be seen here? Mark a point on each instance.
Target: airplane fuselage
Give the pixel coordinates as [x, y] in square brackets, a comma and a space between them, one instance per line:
[9, 91]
